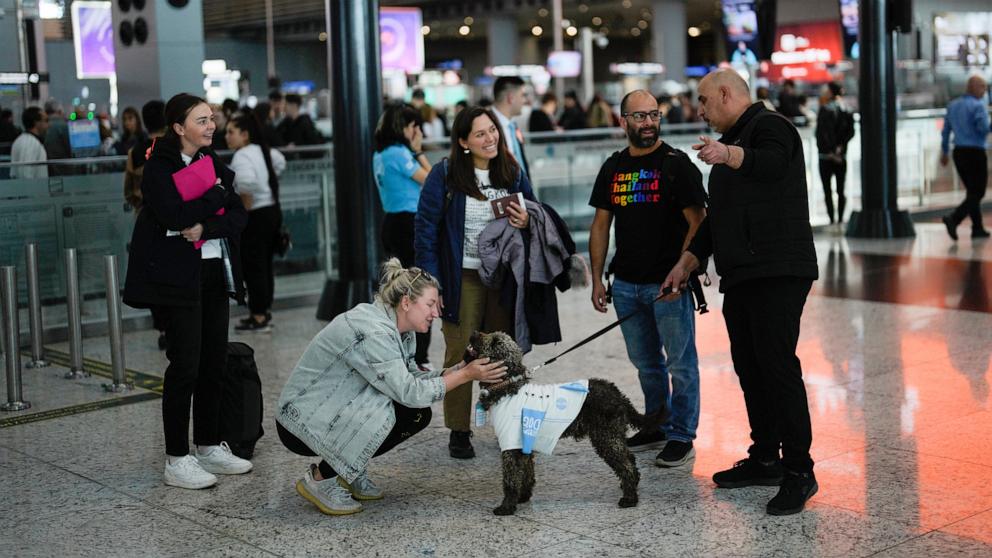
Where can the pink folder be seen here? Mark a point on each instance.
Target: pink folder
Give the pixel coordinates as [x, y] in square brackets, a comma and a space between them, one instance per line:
[194, 181]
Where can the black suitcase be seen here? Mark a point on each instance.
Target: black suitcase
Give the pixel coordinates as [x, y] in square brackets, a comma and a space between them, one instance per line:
[242, 422]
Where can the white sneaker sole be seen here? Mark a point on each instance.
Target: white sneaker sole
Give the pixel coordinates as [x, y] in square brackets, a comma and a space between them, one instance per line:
[227, 471]
[301, 488]
[206, 483]
[648, 447]
[689, 456]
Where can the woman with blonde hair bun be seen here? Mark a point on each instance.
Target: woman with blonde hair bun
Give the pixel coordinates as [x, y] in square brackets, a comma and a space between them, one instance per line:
[356, 392]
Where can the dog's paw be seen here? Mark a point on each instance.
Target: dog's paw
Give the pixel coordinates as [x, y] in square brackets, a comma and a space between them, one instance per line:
[504, 510]
[627, 502]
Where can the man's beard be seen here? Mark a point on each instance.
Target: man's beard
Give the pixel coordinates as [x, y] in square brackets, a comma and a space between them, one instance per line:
[643, 142]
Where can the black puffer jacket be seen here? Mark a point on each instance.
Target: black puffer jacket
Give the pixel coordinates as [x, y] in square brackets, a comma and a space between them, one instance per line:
[165, 270]
[757, 223]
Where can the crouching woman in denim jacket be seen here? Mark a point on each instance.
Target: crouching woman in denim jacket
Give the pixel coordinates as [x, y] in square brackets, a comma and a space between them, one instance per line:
[357, 392]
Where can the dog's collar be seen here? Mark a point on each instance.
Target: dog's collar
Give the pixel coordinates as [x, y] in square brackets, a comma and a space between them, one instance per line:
[486, 390]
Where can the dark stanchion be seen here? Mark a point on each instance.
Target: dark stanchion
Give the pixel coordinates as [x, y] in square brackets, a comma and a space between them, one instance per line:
[34, 308]
[116, 332]
[880, 216]
[353, 54]
[75, 317]
[12, 341]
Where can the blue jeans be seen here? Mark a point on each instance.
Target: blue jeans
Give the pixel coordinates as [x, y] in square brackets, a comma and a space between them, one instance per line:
[661, 342]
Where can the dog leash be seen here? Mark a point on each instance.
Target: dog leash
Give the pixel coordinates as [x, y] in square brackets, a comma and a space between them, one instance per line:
[665, 292]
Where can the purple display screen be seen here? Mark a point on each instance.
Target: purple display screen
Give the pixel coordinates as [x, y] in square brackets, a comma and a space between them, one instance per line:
[93, 35]
[401, 39]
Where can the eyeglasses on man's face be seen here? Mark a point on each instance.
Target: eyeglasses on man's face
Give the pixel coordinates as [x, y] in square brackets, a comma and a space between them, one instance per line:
[642, 116]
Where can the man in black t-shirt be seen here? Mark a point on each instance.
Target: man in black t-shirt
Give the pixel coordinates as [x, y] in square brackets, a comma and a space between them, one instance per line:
[655, 194]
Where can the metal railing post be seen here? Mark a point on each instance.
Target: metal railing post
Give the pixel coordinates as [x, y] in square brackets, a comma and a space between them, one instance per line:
[114, 329]
[34, 308]
[12, 342]
[75, 319]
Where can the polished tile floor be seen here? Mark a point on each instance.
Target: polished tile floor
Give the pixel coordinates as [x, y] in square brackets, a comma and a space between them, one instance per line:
[896, 346]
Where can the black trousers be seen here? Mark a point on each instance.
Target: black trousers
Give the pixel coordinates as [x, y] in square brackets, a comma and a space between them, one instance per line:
[397, 240]
[973, 168]
[838, 169]
[408, 422]
[197, 369]
[762, 318]
[257, 251]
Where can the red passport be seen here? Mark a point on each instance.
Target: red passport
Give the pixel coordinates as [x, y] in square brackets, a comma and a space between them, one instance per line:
[194, 181]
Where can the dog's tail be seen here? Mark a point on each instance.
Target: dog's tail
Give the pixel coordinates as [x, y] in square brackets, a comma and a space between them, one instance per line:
[650, 421]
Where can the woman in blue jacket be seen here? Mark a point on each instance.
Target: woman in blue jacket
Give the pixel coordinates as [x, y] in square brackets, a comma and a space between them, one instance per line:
[453, 209]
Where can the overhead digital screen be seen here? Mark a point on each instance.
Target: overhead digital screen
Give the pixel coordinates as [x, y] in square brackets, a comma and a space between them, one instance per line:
[93, 38]
[805, 51]
[401, 39]
[849, 22]
[741, 24]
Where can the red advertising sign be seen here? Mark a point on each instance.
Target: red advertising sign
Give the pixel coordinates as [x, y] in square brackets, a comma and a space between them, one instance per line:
[802, 52]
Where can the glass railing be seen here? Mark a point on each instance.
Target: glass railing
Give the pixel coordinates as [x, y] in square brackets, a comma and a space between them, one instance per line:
[80, 205]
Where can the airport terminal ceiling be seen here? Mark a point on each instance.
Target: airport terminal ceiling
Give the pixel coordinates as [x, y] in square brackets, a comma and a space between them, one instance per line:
[301, 18]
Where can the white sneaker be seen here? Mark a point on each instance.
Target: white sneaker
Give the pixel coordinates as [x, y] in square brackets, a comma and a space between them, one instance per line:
[329, 496]
[221, 461]
[186, 472]
[363, 488]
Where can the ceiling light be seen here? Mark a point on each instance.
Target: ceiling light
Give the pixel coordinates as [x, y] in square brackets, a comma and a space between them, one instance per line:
[536, 30]
[322, 36]
[571, 31]
[596, 20]
[425, 30]
[469, 20]
[583, 8]
[642, 24]
[627, 3]
[464, 30]
[543, 12]
[635, 32]
[694, 32]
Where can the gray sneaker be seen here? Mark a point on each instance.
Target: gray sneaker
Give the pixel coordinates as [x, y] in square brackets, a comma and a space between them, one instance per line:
[363, 488]
[329, 496]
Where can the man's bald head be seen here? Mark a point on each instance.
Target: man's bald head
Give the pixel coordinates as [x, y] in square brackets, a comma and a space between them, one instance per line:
[637, 94]
[727, 78]
[723, 98]
[976, 86]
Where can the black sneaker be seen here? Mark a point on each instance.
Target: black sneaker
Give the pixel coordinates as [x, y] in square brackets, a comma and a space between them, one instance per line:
[646, 440]
[750, 472]
[952, 228]
[249, 324]
[676, 453]
[796, 489]
[980, 233]
[460, 445]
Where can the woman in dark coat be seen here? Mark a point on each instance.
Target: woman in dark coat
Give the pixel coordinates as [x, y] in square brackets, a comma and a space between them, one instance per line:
[189, 285]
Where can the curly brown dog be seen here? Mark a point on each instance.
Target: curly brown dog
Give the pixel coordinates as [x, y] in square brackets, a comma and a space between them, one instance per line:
[605, 417]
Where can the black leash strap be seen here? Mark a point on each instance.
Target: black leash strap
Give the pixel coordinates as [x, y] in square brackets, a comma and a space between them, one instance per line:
[666, 292]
